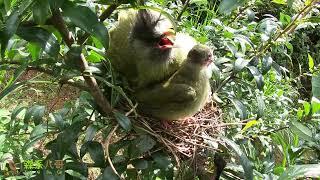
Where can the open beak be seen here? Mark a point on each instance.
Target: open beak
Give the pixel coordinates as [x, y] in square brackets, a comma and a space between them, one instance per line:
[168, 40]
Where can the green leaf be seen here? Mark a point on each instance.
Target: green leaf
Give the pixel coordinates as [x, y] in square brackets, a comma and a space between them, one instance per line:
[140, 164]
[315, 85]
[96, 152]
[261, 106]
[77, 167]
[109, 174]
[123, 120]
[257, 76]
[279, 1]
[315, 105]
[244, 161]
[249, 125]
[239, 64]
[266, 64]
[90, 132]
[308, 171]
[302, 131]
[10, 89]
[34, 50]
[141, 145]
[310, 63]
[226, 6]
[41, 11]
[47, 41]
[39, 130]
[162, 160]
[290, 3]
[242, 110]
[9, 30]
[56, 4]
[87, 20]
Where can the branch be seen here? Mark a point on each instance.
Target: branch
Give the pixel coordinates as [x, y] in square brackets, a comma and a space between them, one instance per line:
[57, 21]
[49, 72]
[90, 81]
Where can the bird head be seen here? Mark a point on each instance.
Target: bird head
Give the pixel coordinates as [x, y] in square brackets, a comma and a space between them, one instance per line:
[200, 55]
[153, 34]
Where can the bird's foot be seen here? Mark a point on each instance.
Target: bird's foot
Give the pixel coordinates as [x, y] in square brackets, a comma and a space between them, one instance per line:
[166, 124]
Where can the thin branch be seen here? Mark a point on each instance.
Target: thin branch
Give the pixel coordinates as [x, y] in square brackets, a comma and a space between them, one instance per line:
[58, 22]
[107, 150]
[90, 81]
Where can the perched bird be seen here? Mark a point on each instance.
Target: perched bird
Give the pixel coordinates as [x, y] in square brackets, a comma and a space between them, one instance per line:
[186, 91]
[145, 48]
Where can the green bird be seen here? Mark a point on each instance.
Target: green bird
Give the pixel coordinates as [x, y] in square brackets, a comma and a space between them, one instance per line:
[186, 91]
[144, 47]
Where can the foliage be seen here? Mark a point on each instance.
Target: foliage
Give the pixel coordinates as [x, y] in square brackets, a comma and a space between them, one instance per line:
[264, 52]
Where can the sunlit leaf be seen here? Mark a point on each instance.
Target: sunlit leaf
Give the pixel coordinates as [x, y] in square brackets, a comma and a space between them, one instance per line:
[249, 125]
[310, 63]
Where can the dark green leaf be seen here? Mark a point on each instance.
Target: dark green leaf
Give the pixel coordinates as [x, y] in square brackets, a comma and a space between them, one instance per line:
[245, 162]
[162, 160]
[266, 64]
[226, 6]
[47, 41]
[96, 152]
[41, 11]
[38, 131]
[257, 76]
[87, 20]
[242, 110]
[261, 106]
[109, 174]
[90, 132]
[9, 30]
[123, 120]
[78, 167]
[302, 131]
[140, 164]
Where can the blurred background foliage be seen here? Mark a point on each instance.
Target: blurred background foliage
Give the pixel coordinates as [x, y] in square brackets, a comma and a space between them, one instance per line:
[266, 81]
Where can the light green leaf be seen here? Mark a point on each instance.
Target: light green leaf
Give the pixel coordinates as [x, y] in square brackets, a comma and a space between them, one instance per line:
[302, 131]
[310, 63]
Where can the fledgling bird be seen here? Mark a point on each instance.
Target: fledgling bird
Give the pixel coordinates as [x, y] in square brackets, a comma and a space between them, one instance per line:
[145, 48]
[186, 91]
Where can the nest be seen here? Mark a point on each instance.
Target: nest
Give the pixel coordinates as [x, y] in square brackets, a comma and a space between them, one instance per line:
[188, 136]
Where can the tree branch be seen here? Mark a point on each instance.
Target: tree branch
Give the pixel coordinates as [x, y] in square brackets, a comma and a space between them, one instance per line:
[57, 21]
[95, 91]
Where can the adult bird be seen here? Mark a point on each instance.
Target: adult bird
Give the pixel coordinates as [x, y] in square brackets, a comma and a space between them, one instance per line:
[186, 91]
[145, 48]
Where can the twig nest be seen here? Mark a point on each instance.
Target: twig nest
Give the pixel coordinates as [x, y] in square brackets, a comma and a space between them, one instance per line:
[185, 137]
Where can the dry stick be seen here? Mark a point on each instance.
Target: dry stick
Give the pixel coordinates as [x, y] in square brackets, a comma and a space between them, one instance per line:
[107, 150]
